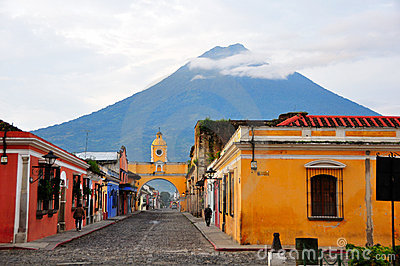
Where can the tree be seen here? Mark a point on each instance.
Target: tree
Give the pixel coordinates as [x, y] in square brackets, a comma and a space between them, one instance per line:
[165, 198]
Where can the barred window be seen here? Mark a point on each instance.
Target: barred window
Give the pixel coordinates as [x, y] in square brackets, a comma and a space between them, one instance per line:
[231, 193]
[224, 195]
[324, 181]
[323, 195]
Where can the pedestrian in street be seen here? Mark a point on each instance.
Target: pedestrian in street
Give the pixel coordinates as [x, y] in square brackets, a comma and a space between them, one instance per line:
[79, 214]
[207, 215]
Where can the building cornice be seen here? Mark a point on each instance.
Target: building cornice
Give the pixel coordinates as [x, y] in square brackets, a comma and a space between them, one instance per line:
[45, 146]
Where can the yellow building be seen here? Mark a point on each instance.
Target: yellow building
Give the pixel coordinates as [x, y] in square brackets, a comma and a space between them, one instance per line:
[304, 176]
[160, 168]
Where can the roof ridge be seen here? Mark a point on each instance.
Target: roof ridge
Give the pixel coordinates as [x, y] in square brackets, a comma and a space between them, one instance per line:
[289, 120]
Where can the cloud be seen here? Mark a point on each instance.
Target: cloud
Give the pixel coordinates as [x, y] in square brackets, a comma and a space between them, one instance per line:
[243, 64]
[348, 38]
[198, 77]
[74, 57]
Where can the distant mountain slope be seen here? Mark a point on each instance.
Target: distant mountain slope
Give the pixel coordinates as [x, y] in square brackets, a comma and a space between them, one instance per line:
[176, 103]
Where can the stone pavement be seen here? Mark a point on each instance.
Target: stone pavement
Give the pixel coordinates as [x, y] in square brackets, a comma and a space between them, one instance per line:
[217, 238]
[156, 237]
[53, 241]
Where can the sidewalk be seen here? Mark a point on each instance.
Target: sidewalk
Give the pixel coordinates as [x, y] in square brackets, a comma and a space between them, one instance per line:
[217, 238]
[53, 241]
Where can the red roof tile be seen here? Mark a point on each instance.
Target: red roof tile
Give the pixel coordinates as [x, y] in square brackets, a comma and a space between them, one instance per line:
[302, 120]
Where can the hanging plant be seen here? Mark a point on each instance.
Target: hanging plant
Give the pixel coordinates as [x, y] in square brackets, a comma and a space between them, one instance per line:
[76, 191]
[45, 190]
[87, 191]
[55, 184]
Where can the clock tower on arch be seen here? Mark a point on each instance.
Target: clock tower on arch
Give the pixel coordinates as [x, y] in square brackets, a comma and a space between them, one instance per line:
[159, 149]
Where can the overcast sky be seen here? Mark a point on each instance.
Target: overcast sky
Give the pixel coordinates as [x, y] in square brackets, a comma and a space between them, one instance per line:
[60, 60]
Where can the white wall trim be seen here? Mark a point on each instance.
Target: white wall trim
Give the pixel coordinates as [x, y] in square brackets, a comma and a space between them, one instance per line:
[308, 157]
[17, 196]
[325, 164]
[39, 155]
[27, 197]
[45, 146]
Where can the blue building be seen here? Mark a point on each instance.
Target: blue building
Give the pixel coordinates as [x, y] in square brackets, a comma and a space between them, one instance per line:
[112, 200]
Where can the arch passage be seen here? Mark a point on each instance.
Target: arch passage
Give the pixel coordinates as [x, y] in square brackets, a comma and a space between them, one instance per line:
[178, 181]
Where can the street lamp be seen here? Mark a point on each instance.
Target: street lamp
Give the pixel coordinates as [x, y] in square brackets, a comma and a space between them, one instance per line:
[50, 159]
[210, 174]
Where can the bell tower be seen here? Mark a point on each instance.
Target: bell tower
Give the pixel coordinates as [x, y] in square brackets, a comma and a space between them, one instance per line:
[159, 149]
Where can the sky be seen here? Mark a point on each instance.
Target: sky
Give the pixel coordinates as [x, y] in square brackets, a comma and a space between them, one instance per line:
[60, 60]
[162, 185]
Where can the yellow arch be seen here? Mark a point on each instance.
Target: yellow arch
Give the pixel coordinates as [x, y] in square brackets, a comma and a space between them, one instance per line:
[169, 171]
[178, 181]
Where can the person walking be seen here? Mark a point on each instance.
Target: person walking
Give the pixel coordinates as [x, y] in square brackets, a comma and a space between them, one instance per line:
[79, 214]
[207, 215]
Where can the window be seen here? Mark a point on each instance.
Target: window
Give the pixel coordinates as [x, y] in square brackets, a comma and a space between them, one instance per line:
[323, 195]
[97, 197]
[216, 190]
[86, 192]
[220, 186]
[48, 189]
[76, 191]
[231, 193]
[325, 191]
[114, 198]
[224, 196]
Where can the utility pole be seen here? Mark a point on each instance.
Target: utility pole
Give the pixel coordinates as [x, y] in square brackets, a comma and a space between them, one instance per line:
[87, 138]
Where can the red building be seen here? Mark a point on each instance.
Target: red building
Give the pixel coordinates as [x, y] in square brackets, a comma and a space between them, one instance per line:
[37, 199]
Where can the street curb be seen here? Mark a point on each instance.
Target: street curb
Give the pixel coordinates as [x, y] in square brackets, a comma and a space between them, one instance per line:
[205, 236]
[216, 248]
[17, 248]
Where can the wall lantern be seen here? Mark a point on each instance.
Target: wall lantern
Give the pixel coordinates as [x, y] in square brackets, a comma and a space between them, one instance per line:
[210, 175]
[4, 157]
[253, 164]
[50, 159]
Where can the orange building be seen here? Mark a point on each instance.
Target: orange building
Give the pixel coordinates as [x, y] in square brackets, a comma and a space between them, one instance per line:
[304, 176]
[160, 168]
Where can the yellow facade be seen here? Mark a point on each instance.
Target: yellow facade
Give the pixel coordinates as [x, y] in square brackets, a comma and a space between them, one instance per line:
[160, 168]
[276, 198]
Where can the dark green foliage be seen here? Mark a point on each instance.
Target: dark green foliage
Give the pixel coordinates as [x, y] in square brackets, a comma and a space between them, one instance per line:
[375, 255]
[165, 198]
[45, 190]
[87, 191]
[94, 167]
[217, 134]
[76, 191]
[55, 185]
[6, 126]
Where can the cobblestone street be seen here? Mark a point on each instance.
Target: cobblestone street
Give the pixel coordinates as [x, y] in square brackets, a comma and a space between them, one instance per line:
[152, 237]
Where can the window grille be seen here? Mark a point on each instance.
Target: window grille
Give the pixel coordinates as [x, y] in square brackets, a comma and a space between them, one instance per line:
[231, 193]
[224, 195]
[325, 194]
